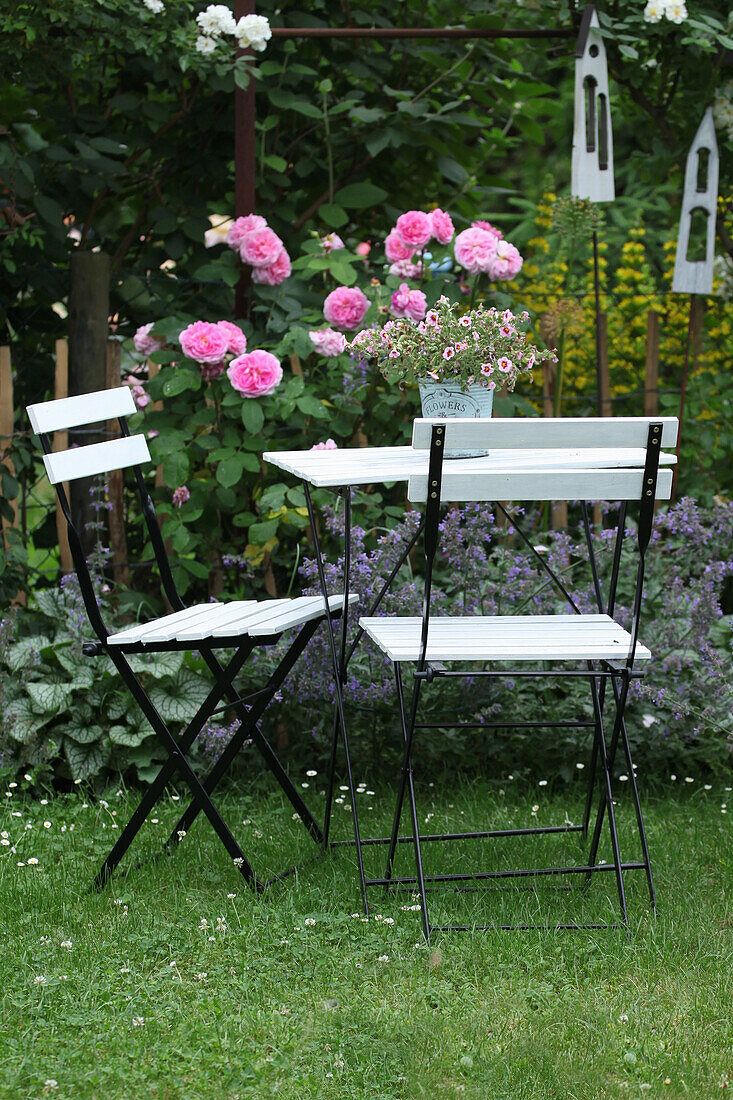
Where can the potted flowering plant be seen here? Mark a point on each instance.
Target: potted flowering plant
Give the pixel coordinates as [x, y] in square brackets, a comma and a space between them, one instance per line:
[458, 357]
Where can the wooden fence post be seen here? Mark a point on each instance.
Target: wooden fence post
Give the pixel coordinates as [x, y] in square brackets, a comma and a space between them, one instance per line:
[7, 420]
[117, 536]
[60, 443]
[651, 376]
[604, 375]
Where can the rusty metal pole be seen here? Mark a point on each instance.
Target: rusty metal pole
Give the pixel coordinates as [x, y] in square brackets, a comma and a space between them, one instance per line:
[244, 162]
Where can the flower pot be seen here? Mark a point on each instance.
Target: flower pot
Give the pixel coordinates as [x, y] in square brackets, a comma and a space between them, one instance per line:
[443, 400]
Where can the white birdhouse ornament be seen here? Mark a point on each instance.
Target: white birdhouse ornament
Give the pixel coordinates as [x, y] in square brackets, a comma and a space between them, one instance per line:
[592, 167]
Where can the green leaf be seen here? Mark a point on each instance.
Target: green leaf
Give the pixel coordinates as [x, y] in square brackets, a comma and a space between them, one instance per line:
[21, 720]
[50, 210]
[261, 533]
[278, 164]
[252, 417]
[378, 141]
[333, 215]
[180, 381]
[49, 696]
[179, 700]
[86, 760]
[229, 472]
[175, 469]
[84, 735]
[360, 195]
[156, 665]
[367, 114]
[311, 406]
[49, 603]
[26, 652]
[129, 736]
[452, 170]
[343, 272]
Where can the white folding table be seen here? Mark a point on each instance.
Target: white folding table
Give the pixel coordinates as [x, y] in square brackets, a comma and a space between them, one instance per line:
[344, 469]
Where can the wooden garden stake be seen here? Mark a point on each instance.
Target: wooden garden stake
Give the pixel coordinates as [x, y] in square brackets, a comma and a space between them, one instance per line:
[60, 443]
[7, 418]
[651, 380]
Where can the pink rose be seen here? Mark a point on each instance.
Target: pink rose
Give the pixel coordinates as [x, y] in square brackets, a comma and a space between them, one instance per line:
[241, 227]
[395, 248]
[363, 248]
[414, 229]
[329, 445]
[506, 263]
[331, 242]
[204, 342]
[409, 303]
[145, 343]
[346, 307]
[407, 269]
[475, 249]
[275, 273]
[139, 394]
[441, 226]
[328, 342]
[236, 340]
[489, 228]
[261, 247]
[256, 374]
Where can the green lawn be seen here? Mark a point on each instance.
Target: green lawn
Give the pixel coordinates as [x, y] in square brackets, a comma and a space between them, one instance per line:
[177, 982]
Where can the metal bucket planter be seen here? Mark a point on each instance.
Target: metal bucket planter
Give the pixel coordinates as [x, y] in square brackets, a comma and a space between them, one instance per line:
[442, 400]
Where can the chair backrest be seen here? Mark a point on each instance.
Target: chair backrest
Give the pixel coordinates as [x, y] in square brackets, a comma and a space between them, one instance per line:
[547, 460]
[126, 451]
[95, 458]
[593, 458]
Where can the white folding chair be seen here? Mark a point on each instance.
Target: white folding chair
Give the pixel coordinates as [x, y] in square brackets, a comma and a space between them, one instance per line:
[240, 626]
[531, 460]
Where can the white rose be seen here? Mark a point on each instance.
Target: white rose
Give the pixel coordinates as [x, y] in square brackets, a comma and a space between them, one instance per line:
[217, 19]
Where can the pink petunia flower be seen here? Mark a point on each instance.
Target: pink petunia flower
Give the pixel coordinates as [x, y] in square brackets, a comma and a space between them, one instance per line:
[241, 227]
[236, 340]
[449, 352]
[261, 247]
[414, 228]
[504, 364]
[395, 248]
[204, 342]
[276, 273]
[145, 343]
[346, 307]
[329, 445]
[328, 342]
[256, 374]
[441, 226]
[506, 263]
[475, 249]
[409, 303]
